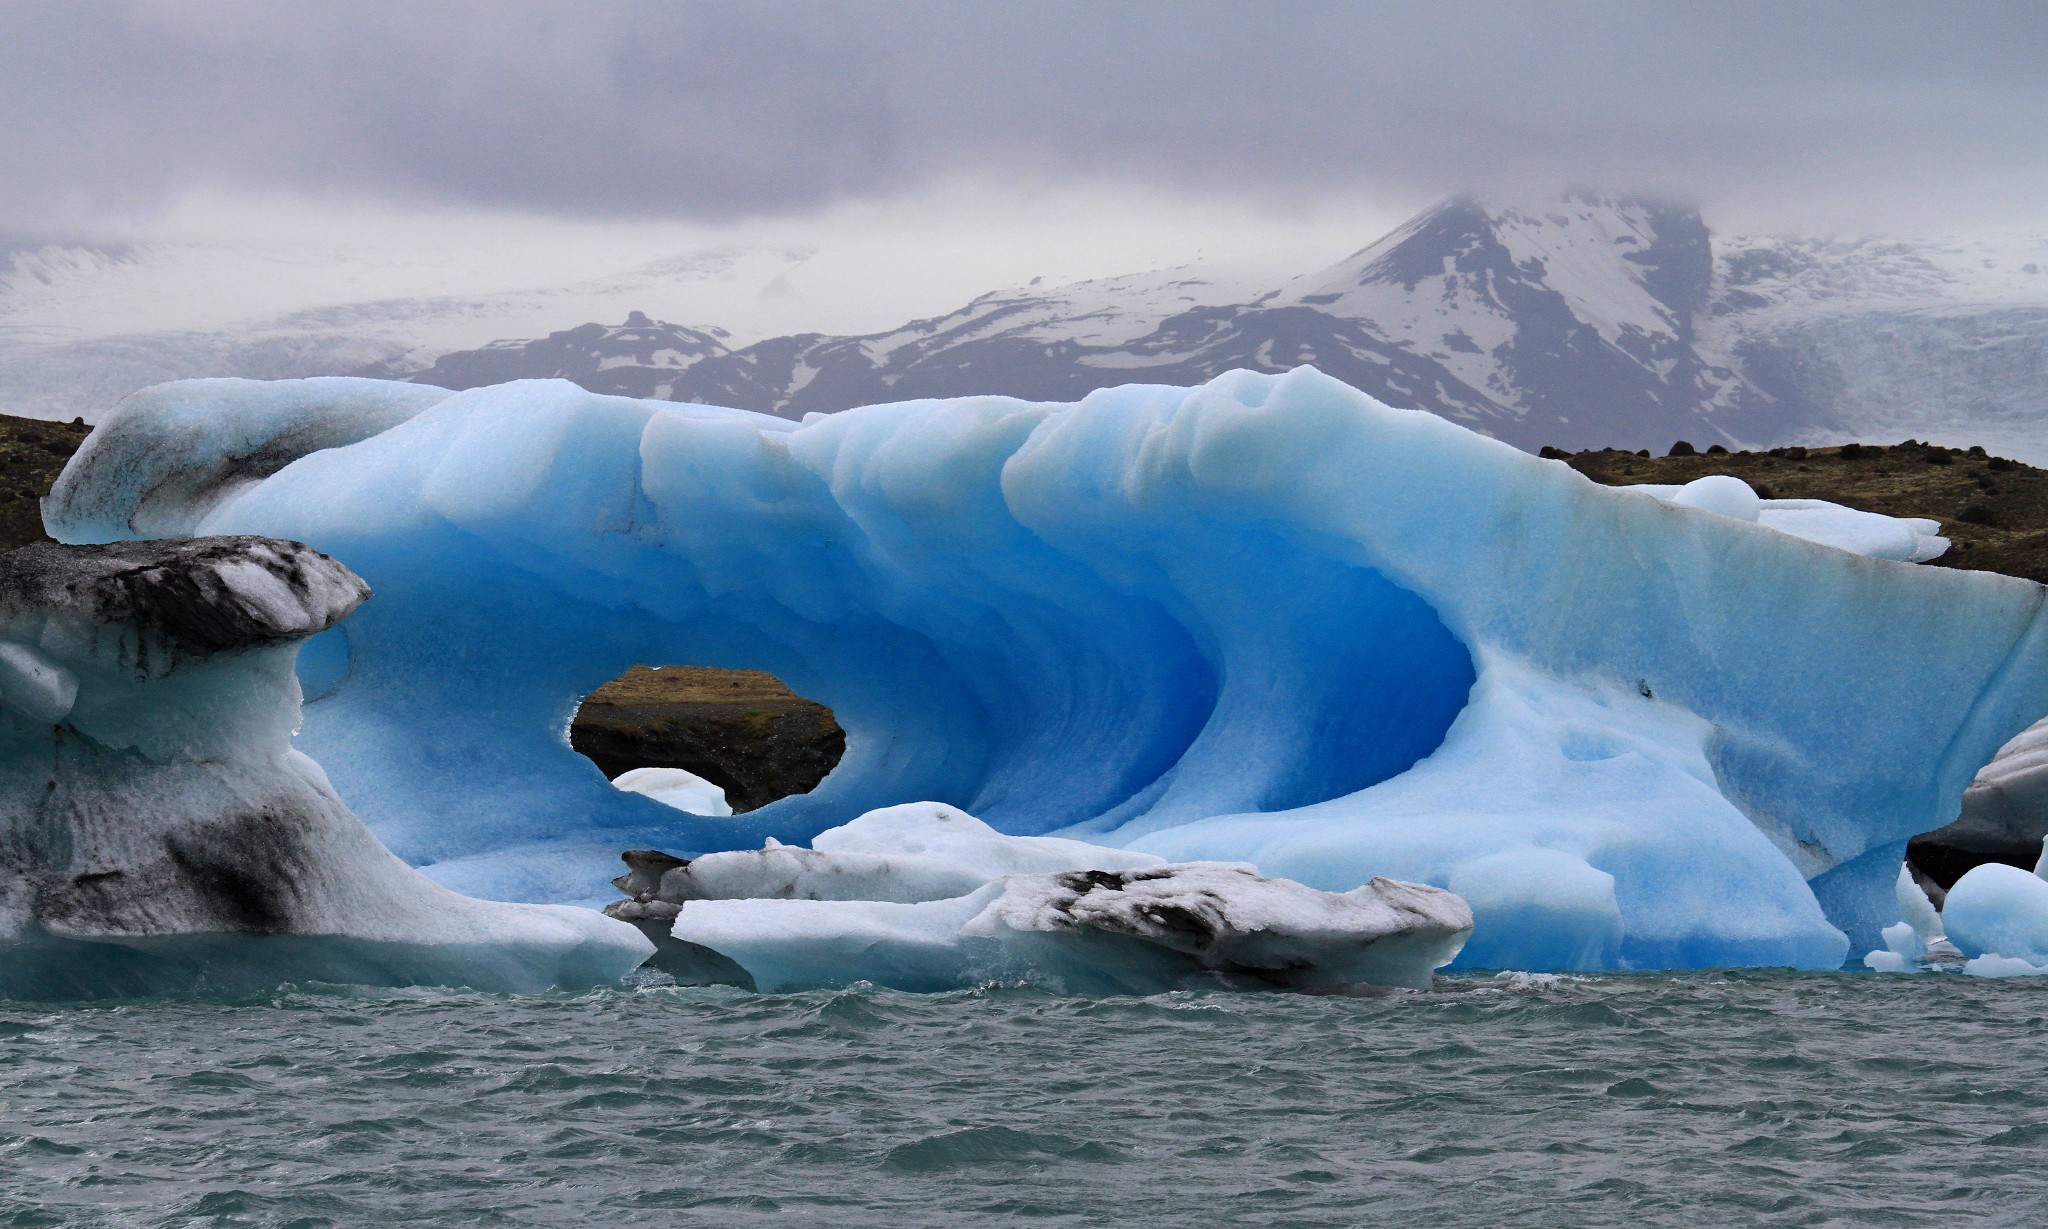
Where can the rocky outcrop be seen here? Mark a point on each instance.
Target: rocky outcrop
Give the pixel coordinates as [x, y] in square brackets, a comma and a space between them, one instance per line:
[32, 454]
[739, 729]
[157, 831]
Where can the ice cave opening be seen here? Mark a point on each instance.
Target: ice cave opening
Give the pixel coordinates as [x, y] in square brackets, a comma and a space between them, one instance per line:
[744, 732]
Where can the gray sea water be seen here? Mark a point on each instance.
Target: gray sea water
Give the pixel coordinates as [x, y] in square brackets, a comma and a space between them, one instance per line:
[1700, 1100]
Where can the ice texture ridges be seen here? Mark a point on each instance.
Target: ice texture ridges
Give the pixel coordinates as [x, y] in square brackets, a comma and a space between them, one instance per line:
[1266, 620]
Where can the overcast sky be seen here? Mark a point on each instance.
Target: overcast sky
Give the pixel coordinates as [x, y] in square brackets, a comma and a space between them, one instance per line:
[1185, 121]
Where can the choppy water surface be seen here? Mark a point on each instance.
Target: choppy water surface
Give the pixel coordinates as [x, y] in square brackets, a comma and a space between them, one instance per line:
[1713, 1099]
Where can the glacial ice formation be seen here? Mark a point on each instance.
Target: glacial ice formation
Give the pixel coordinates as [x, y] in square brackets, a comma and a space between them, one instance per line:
[924, 897]
[159, 833]
[1266, 620]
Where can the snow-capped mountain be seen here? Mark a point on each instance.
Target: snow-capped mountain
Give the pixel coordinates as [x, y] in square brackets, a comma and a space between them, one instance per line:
[1581, 321]
[1576, 320]
[1570, 325]
[82, 326]
[639, 358]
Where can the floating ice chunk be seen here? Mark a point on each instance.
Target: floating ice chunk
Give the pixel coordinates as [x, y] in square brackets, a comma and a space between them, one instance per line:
[2000, 910]
[1917, 910]
[157, 831]
[2003, 966]
[1266, 620]
[924, 897]
[1919, 939]
[1135, 932]
[676, 787]
[1906, 539]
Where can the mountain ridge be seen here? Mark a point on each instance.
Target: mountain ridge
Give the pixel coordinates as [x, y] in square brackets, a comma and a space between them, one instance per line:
[1587, 321]
[1583, 321]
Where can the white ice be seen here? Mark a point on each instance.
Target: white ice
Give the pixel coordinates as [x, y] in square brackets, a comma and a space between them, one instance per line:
[1998, 916]
[1266, 620]
[1908, 539]
[924, 897]
[918, 851]
[675, 787]
[1920, 940]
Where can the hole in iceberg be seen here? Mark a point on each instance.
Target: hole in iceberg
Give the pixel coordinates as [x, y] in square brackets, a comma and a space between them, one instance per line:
[742, 732]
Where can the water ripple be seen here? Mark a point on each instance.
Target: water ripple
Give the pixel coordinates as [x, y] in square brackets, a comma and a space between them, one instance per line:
[1640, 1101]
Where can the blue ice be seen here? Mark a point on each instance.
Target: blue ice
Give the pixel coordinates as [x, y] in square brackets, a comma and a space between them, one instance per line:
[1268, 619]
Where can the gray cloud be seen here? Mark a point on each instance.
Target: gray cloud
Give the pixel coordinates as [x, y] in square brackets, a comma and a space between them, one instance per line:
[718, 111]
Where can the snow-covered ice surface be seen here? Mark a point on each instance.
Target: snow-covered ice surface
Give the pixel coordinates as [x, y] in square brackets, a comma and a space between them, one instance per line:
[158, 833]
[1266, 620]
[165, 455]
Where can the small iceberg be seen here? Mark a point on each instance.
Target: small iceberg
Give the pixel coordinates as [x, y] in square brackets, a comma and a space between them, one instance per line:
[925, 897]
[1998, 915]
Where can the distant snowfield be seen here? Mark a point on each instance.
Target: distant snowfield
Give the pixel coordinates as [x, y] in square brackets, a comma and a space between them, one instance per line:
[81, 327]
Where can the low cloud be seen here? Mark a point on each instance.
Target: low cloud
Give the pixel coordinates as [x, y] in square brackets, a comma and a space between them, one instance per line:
[723, 112]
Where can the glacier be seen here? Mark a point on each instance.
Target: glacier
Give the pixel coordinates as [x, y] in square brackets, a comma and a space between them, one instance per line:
[158, 832]
[1265, 620]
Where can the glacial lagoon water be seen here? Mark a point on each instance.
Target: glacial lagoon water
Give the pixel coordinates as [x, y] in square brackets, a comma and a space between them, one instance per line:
[1697, 1100]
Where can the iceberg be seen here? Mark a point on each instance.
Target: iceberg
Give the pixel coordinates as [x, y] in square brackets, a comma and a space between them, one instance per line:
[1267, 620]
[924, 897]
[158, 833]
[1998, 915]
